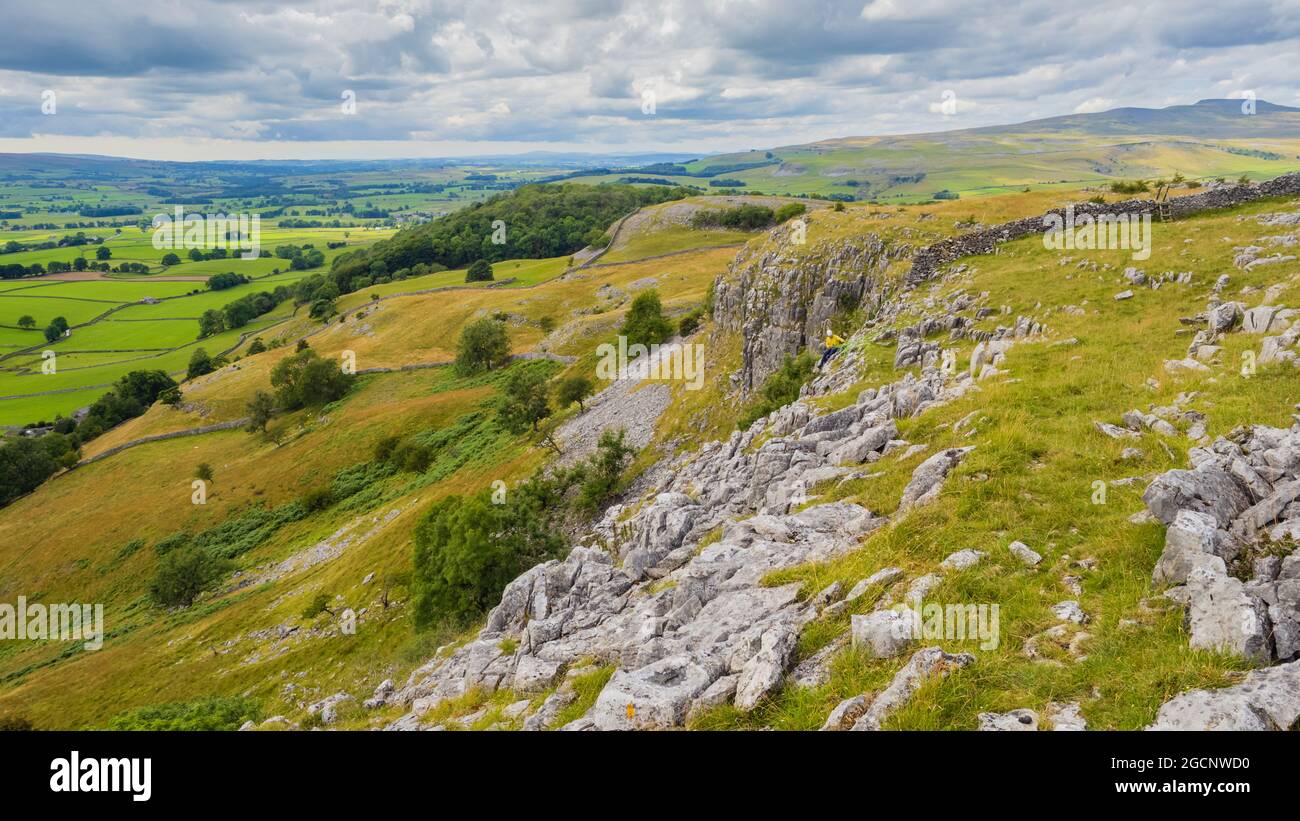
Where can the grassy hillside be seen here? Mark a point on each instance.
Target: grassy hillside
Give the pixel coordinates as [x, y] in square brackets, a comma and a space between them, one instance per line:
[230, 643]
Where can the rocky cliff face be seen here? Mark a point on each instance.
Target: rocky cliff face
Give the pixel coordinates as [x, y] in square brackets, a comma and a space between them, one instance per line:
[780, 296]
[690, 625]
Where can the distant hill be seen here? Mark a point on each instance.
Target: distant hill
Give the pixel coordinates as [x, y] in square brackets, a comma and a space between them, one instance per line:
[1212, 138]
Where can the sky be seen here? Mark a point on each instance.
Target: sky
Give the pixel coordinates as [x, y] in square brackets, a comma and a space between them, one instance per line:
[235, 79]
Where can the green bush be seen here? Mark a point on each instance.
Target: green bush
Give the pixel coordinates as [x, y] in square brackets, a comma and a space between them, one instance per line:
[781, 388]
[185, 573]
[467, 549]
[479, 271]
[645, 323]
[483, 346]
[789, 211]
[1126, 187]
[320, 603]
[305, 380]
[214, 713]
[318, 499]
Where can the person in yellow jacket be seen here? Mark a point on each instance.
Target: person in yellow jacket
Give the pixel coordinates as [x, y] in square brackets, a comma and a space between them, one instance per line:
[833, 343]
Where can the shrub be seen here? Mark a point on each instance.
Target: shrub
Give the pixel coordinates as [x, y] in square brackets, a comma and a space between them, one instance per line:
[320, 603]
[781, 388]
[305, 380]
[645, 323]
[1126, 187]
[483, 346]
[185, 573]
[523, 403]
[317, 499]
[789, 211]
[690, 321]
[572, 389]
[479, 271]
[214, 713]
[200, 364]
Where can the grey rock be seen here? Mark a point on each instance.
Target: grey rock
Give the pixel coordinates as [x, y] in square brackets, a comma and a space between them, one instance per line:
[1193, 540]
[1069, 610]
[927, 479]
[1015, 721]
[1223, 616]
[1023, 552]
[1065, 717]
[846, 713]
[881, 578]
[884, 633]
[962, 559]
[924, 665]
[1269, 699]
[659, 695]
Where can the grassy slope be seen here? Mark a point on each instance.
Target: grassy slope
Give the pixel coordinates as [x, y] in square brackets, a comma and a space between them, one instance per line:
[144, 492]
[1034, 442]
[1031, 478]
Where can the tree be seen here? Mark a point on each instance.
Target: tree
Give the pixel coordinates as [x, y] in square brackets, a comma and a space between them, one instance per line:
[603, 470]
[200, 364]
[212, 322]
[183, 574]
[524, 401]
[305, 379]
[57, 328]
[258, 346]
[171, 259]
[143, 387]
[203, 471]
[24, 465]
[479, 271]
[572, 389]
[322, 308]
[103, 252]
[483, 346]
[26, 322]
[171, 396]
[645, 323]
[260, 410]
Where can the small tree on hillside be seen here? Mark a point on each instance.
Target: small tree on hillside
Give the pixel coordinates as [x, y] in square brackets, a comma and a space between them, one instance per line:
[57, 328]
[260, 410]
[483, 346]
[645, 323]
[305, 379]
[185, 573]
[200, 364]
[524, 403]
[572, 389]
[479, 271]
[26, 322]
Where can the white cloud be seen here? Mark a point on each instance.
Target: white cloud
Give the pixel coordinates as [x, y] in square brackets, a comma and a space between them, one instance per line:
[1093, 105]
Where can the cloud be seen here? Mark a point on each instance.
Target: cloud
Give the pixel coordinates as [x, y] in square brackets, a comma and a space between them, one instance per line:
[1093, 105]
[727, 74]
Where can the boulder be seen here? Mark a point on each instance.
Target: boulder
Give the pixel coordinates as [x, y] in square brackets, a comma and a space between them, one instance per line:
[1022, 552]
[884, 633]
[1268, 699]
[1223, 616]
[655, 696]
[1015, 721]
